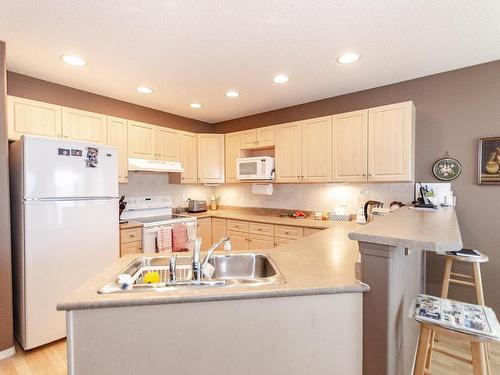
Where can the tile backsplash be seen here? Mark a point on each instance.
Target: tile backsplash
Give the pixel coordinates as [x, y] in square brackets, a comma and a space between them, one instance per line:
[310, 197]
[314, 197]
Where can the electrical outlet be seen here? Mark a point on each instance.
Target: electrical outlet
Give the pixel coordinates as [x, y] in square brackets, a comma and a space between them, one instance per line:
[185, 197]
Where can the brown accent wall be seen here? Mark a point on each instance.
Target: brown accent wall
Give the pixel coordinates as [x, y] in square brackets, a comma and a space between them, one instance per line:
[37, 89]
[454, 109]
[6, 326]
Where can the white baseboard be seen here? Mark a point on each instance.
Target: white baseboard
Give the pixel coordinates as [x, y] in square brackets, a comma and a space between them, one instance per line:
[7, 353]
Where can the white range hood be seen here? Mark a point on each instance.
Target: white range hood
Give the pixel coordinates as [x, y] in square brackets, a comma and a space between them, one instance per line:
[154, 165]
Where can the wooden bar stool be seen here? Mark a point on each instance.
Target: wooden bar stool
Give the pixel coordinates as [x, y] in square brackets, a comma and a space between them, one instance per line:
[480, 361]
[475, 280]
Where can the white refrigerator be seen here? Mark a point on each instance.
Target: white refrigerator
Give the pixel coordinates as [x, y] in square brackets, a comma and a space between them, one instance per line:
[64, 204]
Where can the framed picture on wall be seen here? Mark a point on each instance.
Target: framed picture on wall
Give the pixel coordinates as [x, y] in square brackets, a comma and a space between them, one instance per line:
[489, 160]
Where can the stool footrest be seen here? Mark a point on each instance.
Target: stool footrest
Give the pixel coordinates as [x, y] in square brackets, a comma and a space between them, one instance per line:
[461, 282]
[462, 275]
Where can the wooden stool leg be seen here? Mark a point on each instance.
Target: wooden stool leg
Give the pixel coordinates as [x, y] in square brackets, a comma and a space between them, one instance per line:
[422, 350]
[479, 283]
[479, 366]
[428, 360]
[446, 277]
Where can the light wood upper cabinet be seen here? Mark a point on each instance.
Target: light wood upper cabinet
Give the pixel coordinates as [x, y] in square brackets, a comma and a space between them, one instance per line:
[317, 149]
[204, 231]
[211, 158]
[391, 145]
[288, 152]
[168, 144]
[258, 138]
[83, 125]
[189, 159]
[233, 152]
[117, 137]
[27, 116]
[350, 146]
[141, 140]
[218, 229]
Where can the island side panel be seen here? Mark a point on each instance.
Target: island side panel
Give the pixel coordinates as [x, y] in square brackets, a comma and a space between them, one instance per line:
[320, 334]
[395, 277]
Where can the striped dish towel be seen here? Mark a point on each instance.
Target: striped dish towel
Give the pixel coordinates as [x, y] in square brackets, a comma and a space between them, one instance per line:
[164, 239]
[179, 237]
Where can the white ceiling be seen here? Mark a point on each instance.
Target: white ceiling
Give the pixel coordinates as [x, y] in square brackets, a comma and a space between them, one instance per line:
[195, 50]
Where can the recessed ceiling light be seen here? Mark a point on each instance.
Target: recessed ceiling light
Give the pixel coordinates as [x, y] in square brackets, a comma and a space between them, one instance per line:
[281, 78]
[232, 94]
[195, 105]
[73, 60]
[348, 58]
[144, 90]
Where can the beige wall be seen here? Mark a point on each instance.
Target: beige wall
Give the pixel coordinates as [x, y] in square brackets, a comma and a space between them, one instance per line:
[37, 89]
[454, 109]
[6, 334]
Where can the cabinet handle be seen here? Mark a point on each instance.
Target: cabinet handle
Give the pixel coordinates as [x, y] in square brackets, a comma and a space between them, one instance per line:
[260, 229]
[131, 235]
[287, 232]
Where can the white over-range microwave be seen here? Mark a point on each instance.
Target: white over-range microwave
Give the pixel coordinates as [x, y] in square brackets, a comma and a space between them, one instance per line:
[255, 168]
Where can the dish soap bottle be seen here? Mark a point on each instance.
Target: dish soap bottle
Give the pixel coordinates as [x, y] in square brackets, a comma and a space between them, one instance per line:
[213, 203]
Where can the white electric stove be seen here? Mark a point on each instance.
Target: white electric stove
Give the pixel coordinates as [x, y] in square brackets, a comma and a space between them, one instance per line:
[153, 212]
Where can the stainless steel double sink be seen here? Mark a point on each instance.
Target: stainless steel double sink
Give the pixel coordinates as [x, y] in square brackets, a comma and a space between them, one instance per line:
[151, 273]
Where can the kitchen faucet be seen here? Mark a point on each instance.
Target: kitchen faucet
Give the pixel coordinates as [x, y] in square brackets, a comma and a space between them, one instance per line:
[199, 266]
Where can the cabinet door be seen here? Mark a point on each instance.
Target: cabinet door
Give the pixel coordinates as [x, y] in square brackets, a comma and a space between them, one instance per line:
[261, 242]
[168, 144]
[27, 116]
[281, 241]
[204, 231]
[288, 152]
[317, 149]
[189, 160]
[248, 139]
[391, 147]
[239, 240]
[350, 146]
[218, 229]
[211, 158]
[83, 125]
[117, 137]
[266, 136]
[232, 153]
[141, 140]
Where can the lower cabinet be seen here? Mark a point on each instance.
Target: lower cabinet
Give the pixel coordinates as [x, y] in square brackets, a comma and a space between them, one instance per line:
[239, 240]
[309, 231]
[130, 241]
[281, 241]
[261, 242]
[204, 231]
[218, 229]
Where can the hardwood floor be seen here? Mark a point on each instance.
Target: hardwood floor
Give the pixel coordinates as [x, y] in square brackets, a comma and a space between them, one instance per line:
[51, 360]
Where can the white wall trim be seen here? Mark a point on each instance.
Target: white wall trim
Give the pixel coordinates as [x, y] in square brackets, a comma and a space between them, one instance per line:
[7, 353]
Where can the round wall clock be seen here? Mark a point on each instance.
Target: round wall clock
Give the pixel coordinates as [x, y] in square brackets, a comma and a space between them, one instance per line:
[447, 169]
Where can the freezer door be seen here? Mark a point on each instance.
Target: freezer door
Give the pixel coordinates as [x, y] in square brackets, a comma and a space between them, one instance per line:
[66, 244]
[56, 168]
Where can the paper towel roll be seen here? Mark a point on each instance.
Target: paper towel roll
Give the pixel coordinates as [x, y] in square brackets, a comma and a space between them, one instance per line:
[262, 189]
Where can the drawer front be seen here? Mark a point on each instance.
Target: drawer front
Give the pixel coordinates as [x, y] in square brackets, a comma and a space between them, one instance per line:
[309, 231]
[281, 242]
[293, 233]
[131, 248]
[260, 228]
[238, 226]
[131, 235]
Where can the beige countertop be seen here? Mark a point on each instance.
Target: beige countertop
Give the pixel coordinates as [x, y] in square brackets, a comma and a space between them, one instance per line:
[265, 218]
[435, 230]
[323, 263]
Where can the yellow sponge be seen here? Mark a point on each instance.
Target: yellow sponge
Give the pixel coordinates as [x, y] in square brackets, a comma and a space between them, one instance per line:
[152, 277]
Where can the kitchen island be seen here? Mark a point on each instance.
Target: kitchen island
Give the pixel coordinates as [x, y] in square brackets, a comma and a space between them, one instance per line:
[310, 324]
[393, 252]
